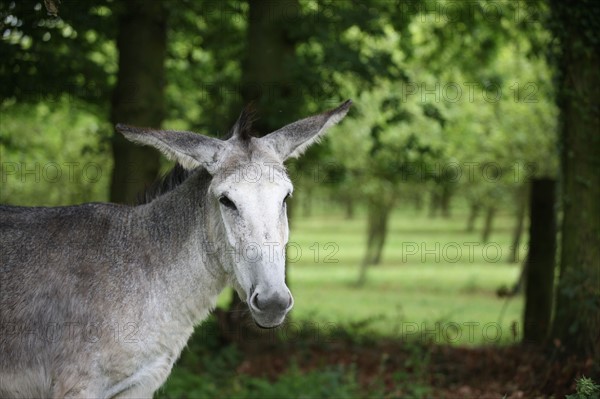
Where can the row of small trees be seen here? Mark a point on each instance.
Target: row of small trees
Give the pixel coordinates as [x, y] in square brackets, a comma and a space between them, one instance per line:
[445, 128]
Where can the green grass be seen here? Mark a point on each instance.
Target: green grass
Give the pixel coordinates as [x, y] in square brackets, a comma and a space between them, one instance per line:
[405, 298]
[423, 279]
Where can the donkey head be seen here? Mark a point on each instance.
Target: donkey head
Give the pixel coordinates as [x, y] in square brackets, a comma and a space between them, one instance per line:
[248, 190]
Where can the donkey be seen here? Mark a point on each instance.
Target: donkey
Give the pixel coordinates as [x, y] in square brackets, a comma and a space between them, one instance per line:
[98, 300]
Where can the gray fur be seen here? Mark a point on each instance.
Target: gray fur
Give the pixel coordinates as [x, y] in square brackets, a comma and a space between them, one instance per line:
[98, 300]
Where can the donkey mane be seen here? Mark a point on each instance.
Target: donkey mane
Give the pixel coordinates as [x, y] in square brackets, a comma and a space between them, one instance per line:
[243, 126]
[165, 183]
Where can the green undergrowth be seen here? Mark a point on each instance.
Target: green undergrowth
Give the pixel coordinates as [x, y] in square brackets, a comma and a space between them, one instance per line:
[210, 368]
[332, 382]
[586, 388]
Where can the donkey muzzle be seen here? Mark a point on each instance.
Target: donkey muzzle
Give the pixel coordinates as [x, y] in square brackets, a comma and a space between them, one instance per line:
[270, 308]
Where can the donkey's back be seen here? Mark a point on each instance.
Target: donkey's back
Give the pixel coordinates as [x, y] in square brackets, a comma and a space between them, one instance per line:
[55, 242]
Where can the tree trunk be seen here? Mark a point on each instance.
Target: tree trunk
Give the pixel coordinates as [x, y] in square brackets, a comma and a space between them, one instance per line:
[445, 198]
[518, 231]
[418, 201]
[307, 201]
[138, 98]
[267, 79]
[577, 313]
[434, 201]
[377, 228]
[267, 84]
[473, 213]
[539, 278]
[489, 221]
[376, 234]
[349, 207]
[380, 234]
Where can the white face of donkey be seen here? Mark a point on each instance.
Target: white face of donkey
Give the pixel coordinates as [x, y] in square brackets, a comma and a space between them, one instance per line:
[249, 189]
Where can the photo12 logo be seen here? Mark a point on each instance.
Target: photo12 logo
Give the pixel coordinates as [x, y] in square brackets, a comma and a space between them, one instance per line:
[453, 332]
[267, 251]
[50, 172]
[454, 252]
[471, 92]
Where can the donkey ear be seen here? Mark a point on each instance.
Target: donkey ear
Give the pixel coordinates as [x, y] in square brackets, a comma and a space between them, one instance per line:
[191, 150]
[292, 140]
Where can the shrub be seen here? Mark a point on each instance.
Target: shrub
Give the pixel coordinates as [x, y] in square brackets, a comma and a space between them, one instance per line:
[586, 388]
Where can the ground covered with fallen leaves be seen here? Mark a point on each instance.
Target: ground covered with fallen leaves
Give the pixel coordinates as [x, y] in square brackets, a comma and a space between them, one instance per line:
[347, 364]
[441, 371]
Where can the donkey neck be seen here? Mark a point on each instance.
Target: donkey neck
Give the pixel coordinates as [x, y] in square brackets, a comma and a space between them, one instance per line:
[177, 224]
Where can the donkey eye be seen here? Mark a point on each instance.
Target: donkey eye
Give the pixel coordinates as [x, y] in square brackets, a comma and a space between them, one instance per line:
[226, 202]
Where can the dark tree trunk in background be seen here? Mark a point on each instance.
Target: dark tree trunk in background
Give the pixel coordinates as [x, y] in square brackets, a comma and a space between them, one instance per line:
[267, 78]
[474, 209]
[445, 198]
[521, 215]
[378, 214]
[349, 207]
[434, 201]
[489, 222]
[418, 201]
[307, 202]
[267, 83]
[378, 227]
[138, 98]
[577, 313]
[539, 273]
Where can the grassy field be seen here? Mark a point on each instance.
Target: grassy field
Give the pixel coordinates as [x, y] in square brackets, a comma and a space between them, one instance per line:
[428, 323]
[436, 282]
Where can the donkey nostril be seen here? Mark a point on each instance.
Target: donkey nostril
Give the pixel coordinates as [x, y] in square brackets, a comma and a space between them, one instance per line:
[254, 301]
[270, 303]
